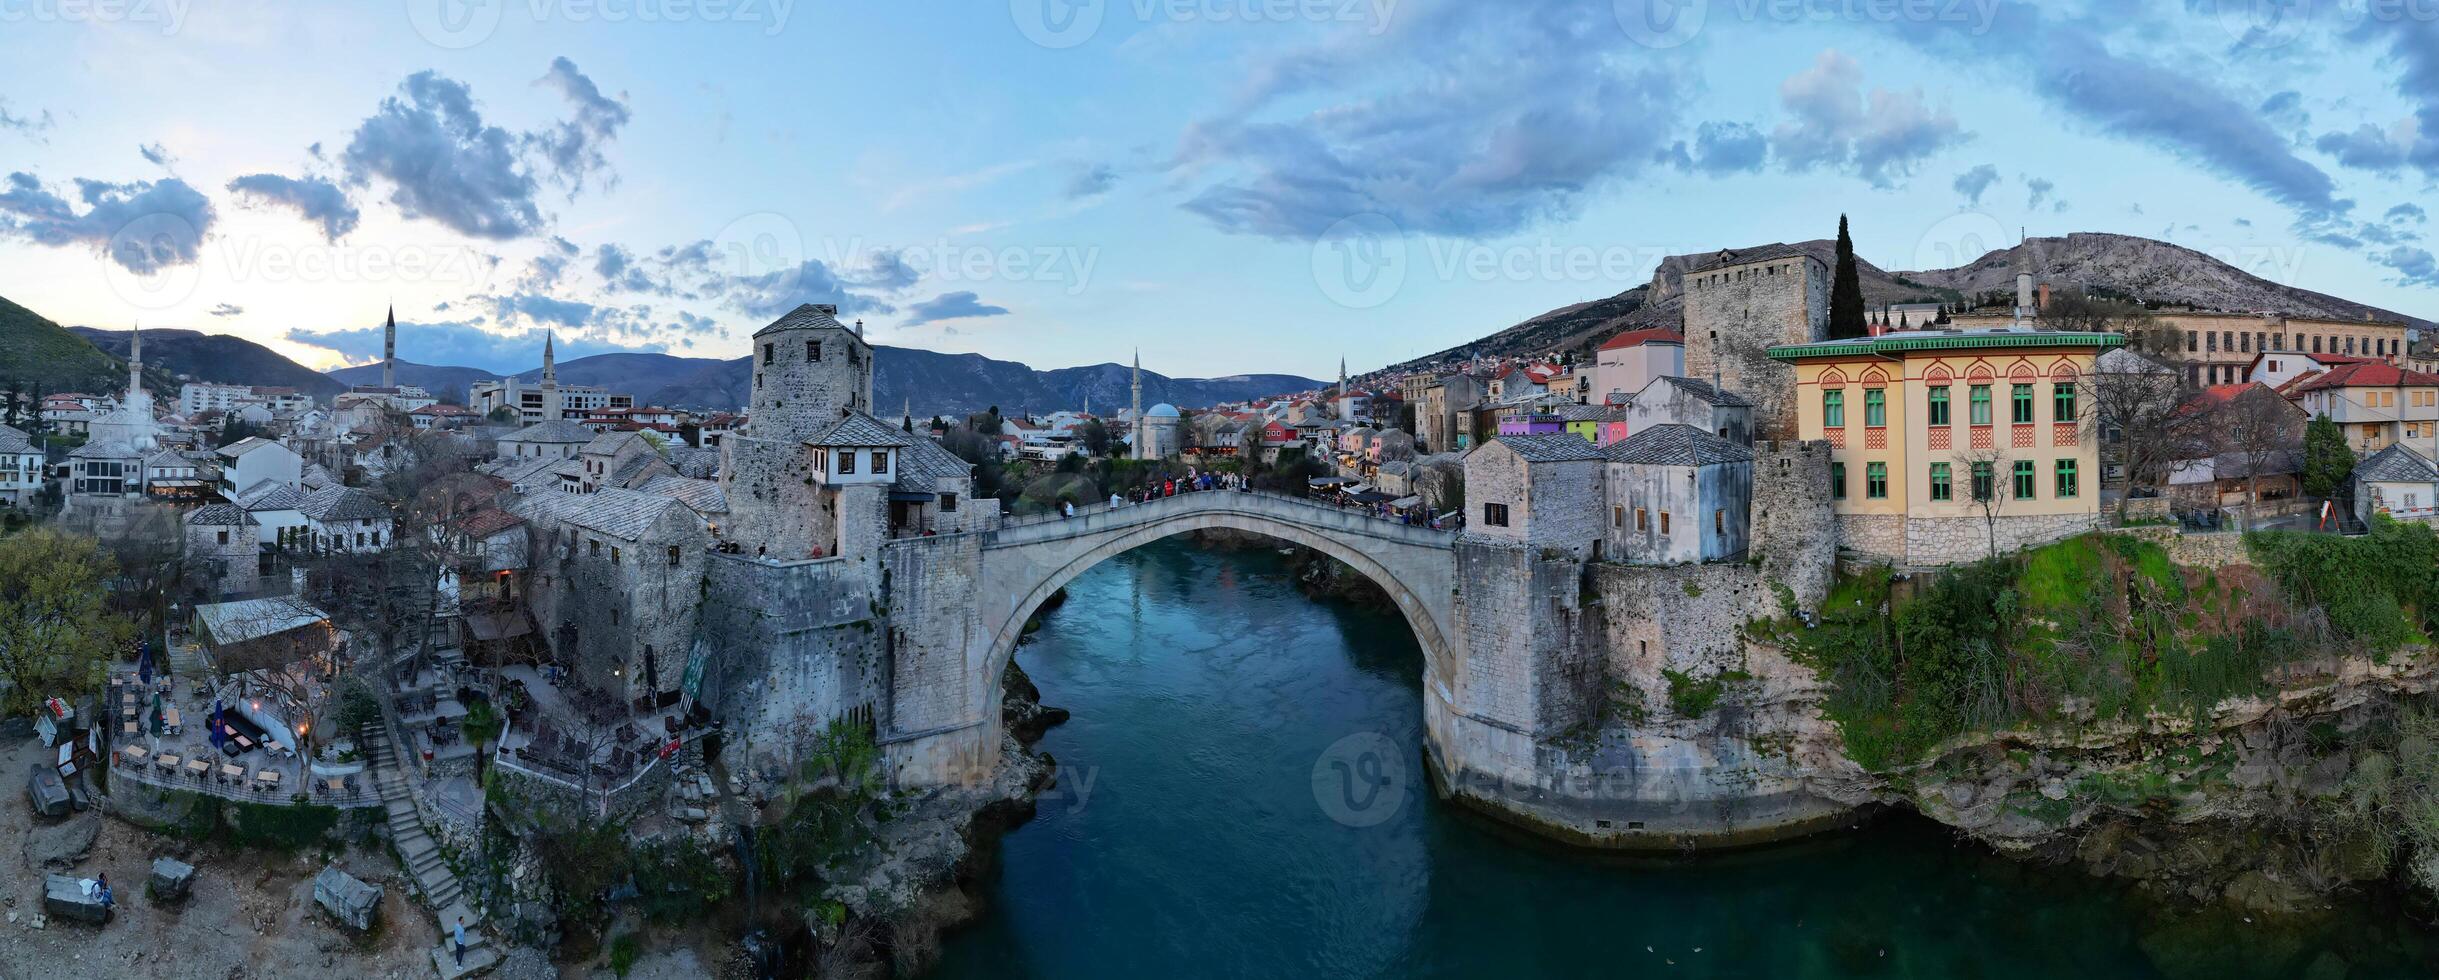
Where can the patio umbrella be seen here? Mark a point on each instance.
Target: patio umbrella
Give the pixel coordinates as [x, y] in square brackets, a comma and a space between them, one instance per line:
[144, 663]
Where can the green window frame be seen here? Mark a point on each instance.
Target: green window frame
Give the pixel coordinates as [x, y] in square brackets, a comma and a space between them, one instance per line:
[2062, 401]
[1837, 481]
[1982, 482]
[1876, 481]
[1875, 407]
[1943, 485]
[1981, 404]
[2024, 479]
[2022, 406]
[2069, 480]
[1833, 408]
[1939, 405]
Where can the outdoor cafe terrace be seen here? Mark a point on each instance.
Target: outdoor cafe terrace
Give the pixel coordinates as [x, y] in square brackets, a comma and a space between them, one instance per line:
[161, 736]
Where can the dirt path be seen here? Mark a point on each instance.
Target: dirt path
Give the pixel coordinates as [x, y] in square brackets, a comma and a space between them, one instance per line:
[251, 914]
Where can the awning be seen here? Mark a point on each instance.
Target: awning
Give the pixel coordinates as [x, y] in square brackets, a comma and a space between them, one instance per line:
[910, 497]
[1402, 503]
[1369, 496]
[1327, 481]
[498, 626]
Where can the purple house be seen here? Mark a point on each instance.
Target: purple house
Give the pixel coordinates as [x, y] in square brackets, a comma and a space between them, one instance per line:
[1530, 424]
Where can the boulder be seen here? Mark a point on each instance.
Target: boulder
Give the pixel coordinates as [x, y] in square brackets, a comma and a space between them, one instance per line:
[352, 902]
[64, 897]
[171, 879]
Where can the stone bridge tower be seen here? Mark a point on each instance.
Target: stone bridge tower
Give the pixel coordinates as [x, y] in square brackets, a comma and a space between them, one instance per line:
[808, 369]
[1737, 304]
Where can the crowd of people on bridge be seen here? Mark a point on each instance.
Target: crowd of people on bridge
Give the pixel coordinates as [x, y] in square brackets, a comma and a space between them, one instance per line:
[1195, 481]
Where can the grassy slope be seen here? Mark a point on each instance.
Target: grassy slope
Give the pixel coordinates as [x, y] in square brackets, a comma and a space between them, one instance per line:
[35, 352]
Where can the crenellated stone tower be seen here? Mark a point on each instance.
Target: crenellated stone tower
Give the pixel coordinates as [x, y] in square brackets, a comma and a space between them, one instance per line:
[1738, 304]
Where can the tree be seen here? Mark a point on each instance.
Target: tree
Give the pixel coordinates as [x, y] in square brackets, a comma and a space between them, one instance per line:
[1846, 291]
[1095, 437]
[478, 725]
[2139, 405]
[2077, 310]
[1982, 469]
[56, 634]
[2261, 428]
[503, 415]
[2328, 462]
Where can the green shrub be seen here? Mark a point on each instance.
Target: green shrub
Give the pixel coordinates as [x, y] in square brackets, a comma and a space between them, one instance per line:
[623, 951]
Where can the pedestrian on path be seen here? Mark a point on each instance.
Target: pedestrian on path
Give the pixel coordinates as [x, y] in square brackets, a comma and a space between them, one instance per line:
[461, 940]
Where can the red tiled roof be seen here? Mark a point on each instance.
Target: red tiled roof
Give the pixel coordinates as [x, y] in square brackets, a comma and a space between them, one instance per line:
[2366, 374]
[1637, 338]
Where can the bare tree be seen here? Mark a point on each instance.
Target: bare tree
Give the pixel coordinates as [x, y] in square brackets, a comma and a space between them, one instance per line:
[2075, 309]
[2261, 429]
[2138, 405]
[1983, 468]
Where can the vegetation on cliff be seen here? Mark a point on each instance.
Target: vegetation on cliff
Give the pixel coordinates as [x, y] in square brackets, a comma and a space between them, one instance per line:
[2102, 627]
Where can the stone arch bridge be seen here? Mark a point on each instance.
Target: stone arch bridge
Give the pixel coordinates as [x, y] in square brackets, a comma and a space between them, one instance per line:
[959, 603]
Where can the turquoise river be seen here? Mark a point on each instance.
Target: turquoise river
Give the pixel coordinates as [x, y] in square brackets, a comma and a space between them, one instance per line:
[1241, 796]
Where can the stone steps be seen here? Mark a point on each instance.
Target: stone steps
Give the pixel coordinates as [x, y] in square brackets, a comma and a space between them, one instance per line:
[481, 955]
[424, 862]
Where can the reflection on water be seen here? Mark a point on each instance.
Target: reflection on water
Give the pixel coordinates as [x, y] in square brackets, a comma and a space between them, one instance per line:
[1241, 795]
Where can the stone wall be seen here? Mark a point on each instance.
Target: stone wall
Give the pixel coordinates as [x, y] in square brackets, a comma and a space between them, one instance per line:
[1734, 313]
[790, 647]
[234, 563]
[1790, 514]
[937, 655]
[796, 397]
[773, 506]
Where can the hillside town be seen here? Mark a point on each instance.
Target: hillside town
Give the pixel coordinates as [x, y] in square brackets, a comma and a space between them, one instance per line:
[553, 608]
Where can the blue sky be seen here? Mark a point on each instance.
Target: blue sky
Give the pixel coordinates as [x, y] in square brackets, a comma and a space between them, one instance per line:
[1232, 185]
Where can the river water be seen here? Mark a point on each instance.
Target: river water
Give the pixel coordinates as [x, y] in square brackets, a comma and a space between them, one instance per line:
[1241, 795]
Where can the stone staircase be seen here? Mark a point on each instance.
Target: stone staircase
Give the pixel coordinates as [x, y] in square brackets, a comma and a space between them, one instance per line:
[424, 862]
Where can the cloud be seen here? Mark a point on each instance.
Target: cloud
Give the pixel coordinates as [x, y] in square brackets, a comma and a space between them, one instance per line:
[2413, 46]
[2244, 222]
[1091, 180]
[443, 163]
[2371, 148]
[144, 226]
[31, 127]
[574, 147]
[2189, 114]
[156, 154]
[1881, 136]
[1972, 183]
[888, 272]
[2286, 109]
[951, 306]
[2038, 191]
[1466, 119]
[541, 309]
[313, 198]
[462, 344]
[2414, 266]
[227, 309]
[1720, 148]
[2406, 212]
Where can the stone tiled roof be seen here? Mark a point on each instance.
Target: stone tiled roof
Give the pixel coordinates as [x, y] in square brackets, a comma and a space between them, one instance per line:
[1676, 445]
[103, 450]
[342, 504]
[520, 469]
[810, 316]
[1728, 257]
[1551, 448]
[2395, 464]
[1589, 413]
[859, 429]
[703, 496]
[619, 513]
[13, 441]
[1703, 390]
[270, 495]
[688, 461]
[228, 514]
[924, 463]
[608, 443]
[552, 431]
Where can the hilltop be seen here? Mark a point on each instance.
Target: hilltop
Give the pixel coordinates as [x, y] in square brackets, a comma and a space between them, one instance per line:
[37, 354]
[2140, 269]
[212, 357]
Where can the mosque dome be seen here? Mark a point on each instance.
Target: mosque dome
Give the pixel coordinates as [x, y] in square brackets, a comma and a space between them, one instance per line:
[1164, 410]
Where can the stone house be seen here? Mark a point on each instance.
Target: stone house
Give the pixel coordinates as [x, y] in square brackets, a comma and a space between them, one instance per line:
[613, 459]
[345, 520]
[1677, 495]
[615, 582]
[223, 544]
[2399, 482]
[1912, 422]
[1540, 491]
[1437, 414]
[274, 509]
[1675, 400]
[556, 438]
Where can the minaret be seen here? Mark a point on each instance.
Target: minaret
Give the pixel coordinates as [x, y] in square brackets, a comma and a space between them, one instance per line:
[1342, 388]
[137, 401]
[1137, 387]
[550, 364]
[389, 350]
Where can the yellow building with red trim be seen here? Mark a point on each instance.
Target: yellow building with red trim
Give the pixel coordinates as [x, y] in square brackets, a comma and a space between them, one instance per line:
[1925, 427]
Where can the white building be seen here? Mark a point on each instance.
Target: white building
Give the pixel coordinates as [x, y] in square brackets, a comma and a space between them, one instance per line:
[20, 467]
[345, 519]
[251, 462]
[548, 400]
[196, 397]
[1631, 360]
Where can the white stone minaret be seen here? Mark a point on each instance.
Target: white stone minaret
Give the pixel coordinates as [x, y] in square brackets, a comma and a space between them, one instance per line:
[550, 365]
[389, 350]
[138, 402]
[1137, 387]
